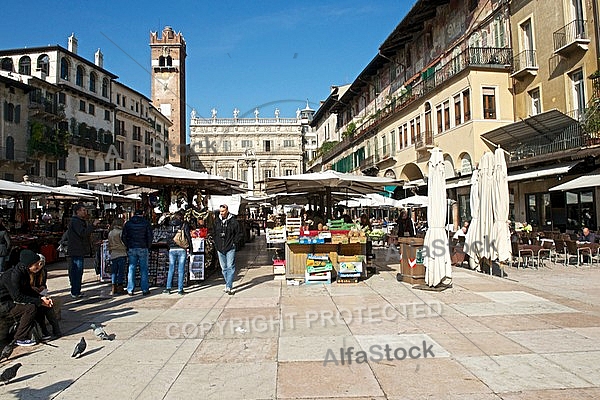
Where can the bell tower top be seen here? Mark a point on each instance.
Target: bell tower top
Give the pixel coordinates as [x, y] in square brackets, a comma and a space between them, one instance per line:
[168, 53]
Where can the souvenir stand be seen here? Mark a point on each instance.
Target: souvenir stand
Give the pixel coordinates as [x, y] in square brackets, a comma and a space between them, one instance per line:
[175, 186]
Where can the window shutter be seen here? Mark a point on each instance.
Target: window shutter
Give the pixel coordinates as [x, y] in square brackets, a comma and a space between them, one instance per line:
[17, 114]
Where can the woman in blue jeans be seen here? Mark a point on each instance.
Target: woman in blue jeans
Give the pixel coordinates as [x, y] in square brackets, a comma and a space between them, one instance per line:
[177, 252]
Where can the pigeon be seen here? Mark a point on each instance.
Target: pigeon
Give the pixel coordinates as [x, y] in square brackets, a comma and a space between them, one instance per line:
[7, 351]
[100, 332]
[9, 373]
[79, 348]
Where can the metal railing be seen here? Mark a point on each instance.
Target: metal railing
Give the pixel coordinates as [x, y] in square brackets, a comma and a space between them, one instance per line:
[424, 140]
[570, 33]
[524, 60]
[572, 137]
[481, 57]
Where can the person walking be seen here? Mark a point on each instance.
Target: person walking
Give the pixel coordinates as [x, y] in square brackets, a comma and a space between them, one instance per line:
[227, 236]
[19, 301]
[137, 237]
[78, 236]
[4, 245]
[118, 256]
[177, 251]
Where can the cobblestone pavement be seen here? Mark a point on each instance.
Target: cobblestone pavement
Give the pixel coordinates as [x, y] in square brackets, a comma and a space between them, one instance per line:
[533, 335]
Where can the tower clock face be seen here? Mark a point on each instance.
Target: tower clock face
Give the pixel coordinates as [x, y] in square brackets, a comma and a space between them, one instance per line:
[163, 83]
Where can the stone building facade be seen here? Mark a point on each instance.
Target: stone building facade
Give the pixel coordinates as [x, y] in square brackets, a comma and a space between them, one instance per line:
[233, 147]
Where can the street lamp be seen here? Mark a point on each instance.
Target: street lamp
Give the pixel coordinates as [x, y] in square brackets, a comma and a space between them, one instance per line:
[250, 159]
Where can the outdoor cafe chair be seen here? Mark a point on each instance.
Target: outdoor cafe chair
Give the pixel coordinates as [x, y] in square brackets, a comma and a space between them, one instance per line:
[521, 253]
[578, 251]
[546, 248]
[560, 249]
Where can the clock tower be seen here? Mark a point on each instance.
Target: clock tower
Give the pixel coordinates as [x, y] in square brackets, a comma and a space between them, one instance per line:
[168, 87]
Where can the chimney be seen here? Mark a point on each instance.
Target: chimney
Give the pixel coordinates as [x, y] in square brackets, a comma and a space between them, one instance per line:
[99, 59]
[72, 44]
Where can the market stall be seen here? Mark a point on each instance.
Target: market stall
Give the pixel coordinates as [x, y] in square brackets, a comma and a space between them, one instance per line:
[180, 188]
[335, 248]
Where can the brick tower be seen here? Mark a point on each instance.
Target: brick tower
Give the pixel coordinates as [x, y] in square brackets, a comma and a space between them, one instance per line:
[168, 87]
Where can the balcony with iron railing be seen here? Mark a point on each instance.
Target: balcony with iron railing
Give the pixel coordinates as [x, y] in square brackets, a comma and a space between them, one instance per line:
[525, 64]
[424, 141]
[573, 137]
[472, 57]
[571, 37]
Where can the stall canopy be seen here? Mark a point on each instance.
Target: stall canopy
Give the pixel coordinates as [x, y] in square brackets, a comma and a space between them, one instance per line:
[328, 180]
[585, 181]
[11, 189]
[166, 175]
[59, 193]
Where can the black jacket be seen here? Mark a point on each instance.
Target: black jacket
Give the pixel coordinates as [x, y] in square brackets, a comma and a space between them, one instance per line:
[174, 226]
[227, 233]
[78, 236]
[137, 233]
[15, 285]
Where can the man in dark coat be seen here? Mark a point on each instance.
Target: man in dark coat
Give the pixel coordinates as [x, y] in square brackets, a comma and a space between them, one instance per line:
[137, 238]
[78, 237]
[19, 301]
[227, 235]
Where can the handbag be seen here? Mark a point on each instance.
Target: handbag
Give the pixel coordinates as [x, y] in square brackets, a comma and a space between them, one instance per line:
[180, 239]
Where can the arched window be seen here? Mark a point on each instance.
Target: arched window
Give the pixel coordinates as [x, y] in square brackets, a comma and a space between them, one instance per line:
[9, 111]
[64, 69]
[43, 63]
[105, 87]
[7, 64]
[79, 76]
[25, 65]
[93, 80]
[10, 148]
[161, 61]
[169, 61]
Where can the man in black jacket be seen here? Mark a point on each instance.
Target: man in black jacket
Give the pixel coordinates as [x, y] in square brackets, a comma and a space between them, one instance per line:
[228, 235]
[78, 237]
[19, 301]
[137, 237]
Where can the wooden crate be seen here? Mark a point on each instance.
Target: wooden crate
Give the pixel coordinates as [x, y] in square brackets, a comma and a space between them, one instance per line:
[295, 257]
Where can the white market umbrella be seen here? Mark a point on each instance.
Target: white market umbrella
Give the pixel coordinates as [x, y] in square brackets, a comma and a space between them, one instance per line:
[10, 189]
[162, 176]
[500, 205]
[414, 201]
[481, 244]
[474, 224]
[327, 180]
[437, 258]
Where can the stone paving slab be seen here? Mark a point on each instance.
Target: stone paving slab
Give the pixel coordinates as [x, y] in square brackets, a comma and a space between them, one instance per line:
[533, 336]
[509, 373]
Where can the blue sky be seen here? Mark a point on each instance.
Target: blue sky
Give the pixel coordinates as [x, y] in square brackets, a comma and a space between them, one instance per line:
[242, 54]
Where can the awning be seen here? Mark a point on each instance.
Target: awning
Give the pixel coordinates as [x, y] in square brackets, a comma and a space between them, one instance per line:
[584, 181]
[415, 183]
[540, 128]
[456, 183]
[534, 173]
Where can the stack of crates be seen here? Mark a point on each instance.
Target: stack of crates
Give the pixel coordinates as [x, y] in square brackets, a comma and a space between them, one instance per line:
[292, 227]
[318, 269]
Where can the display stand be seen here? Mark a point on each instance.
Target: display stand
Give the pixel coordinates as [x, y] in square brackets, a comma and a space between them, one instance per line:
[296, 255]
[411, 260]
[196, 260]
